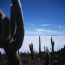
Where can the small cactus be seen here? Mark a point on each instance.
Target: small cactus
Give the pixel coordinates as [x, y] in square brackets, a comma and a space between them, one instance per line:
[31, 49]
[47, 58]
[44, 48]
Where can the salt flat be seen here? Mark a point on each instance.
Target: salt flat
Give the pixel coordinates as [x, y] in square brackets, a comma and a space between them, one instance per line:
[45, 41]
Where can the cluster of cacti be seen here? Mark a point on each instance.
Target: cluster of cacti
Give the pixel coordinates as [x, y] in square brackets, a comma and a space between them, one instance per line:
[31, 49]
[52, 43]
[12, 33]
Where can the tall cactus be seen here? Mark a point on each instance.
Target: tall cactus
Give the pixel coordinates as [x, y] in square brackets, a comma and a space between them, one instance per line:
[52, 43]
[39, 45]
[12, 33]
[31, 49]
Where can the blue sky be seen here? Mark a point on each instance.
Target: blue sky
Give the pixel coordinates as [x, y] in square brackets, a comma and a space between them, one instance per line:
[41, 17]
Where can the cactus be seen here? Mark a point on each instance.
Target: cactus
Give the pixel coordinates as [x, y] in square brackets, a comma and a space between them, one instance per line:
[12, 33]
[51, 40]
[31, 49]
[47, 58]
[0, 27]
[44, 48]
[53, 46]
[6, 29]
[39, 45]
[12, 20]
[52, 43]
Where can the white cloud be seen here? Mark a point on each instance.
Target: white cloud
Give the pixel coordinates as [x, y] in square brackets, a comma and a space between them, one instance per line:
[48, 31]
[45, 32]
[60, 26]
[45, 24]
[41, 30]
[32, 24]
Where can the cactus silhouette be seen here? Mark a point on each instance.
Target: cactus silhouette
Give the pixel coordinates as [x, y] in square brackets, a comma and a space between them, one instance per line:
[53, 46]
[31, 49]
[52, 43]
[39, 45]
[12, 33]
[51, 40]
[44, 49]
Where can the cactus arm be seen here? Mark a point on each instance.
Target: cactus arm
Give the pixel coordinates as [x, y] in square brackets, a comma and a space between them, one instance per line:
[0, 26]
[51, 40]
[12, 20]
[0, 30]
[19, 23]
[6, 29]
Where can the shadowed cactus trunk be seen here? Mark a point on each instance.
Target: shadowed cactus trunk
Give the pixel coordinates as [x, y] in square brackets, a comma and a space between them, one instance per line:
[12, 33]
[31, 49]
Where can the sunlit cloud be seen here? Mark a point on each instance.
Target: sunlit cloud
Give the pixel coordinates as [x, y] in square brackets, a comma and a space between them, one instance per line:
[45, 24]
[45, 32]
[32, 24]
[49, 31]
